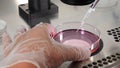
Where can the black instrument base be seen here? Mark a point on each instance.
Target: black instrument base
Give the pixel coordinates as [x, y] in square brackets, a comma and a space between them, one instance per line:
[34, 18]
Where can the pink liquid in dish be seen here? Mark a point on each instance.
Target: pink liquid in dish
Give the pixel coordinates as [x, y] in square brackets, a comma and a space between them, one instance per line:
[76, 42]
[78, 38]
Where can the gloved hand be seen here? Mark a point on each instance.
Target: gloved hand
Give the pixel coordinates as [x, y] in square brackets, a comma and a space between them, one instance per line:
[35, 46]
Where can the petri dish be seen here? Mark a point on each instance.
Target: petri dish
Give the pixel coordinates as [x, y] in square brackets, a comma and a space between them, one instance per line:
[71, 33]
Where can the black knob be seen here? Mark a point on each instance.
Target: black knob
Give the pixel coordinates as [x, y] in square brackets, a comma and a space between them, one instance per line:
[78, 2]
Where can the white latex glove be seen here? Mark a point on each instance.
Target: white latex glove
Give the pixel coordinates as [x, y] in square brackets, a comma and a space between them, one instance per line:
[36, 46]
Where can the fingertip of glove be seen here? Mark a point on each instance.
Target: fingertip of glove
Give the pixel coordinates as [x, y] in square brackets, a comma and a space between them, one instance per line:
[51, 30]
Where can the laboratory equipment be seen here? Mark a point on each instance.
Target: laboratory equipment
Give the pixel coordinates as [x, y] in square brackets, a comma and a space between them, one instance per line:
[87, 35]
[80, 34]
[92, 8]
[36, 11]
[78, 2]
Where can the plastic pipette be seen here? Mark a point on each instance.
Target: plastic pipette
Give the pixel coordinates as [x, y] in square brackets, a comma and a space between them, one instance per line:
[92, 8]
